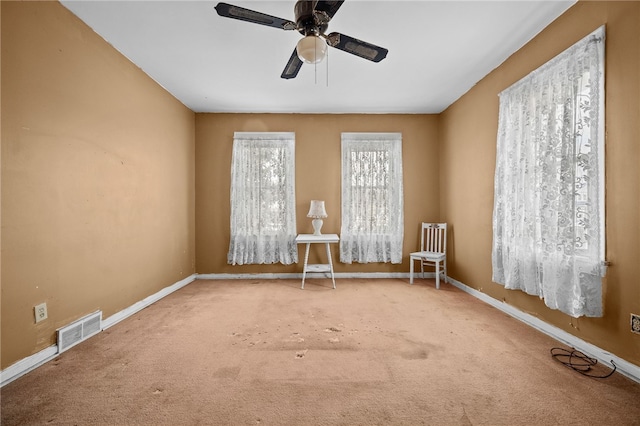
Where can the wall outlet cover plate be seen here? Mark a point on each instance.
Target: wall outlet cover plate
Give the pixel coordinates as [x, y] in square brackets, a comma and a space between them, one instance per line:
[635, 323]
[40, 311]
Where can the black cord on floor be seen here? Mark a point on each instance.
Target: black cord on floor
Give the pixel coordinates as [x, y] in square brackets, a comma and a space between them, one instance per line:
[578, 361]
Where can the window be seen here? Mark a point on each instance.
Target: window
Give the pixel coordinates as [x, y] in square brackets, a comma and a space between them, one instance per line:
[263, 217]
[372, 200]
[548, 218]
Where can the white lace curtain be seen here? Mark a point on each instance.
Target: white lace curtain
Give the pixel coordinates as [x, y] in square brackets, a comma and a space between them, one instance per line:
[548, 218]
[372, 198]
[263, 216]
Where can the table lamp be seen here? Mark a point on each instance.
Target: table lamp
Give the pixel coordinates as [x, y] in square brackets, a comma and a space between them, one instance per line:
[317, 211]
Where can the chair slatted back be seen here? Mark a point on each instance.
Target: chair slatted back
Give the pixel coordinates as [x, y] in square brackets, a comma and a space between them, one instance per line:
[433, 237]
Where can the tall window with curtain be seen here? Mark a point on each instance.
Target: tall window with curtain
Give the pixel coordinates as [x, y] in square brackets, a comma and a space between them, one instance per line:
[548, 217]
[372, 198]
[263, 216]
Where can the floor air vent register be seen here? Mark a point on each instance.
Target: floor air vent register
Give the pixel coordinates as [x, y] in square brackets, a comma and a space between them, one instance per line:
[79, 331]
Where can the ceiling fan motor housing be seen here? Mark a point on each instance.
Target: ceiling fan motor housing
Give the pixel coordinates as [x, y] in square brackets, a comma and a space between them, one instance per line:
[308, 20]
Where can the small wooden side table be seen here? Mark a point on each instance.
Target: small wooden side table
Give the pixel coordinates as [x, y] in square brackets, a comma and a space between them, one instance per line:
[309, 239]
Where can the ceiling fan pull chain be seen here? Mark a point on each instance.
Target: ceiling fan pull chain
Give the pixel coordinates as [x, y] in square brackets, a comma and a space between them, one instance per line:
[327, 74]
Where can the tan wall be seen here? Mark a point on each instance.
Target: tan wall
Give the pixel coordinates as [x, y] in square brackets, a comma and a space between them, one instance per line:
[467, 145]
[317, 177]
[97, 178]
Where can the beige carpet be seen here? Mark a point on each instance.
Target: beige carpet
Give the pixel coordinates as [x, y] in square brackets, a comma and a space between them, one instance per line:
[265, 352]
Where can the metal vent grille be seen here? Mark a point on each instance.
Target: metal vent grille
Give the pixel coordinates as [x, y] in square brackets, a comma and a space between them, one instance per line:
[79, 331]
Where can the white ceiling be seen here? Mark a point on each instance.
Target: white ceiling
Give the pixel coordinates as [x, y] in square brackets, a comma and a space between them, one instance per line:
[437, 51]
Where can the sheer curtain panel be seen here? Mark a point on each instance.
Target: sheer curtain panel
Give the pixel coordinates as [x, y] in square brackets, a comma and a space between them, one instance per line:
[263, 216]
[548, 217]
[372, 198]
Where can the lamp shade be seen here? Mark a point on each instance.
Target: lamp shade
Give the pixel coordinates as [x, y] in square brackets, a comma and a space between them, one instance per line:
[311, 49]
[316, 209]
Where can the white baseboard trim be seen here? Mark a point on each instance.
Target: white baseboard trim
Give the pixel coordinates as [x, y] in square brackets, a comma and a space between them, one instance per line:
[625, 368]
[34, 361]
[27, 364]
[298, 275]
[136, 307]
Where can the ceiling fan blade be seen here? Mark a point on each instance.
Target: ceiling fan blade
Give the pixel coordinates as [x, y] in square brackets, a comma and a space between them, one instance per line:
[293, 66]
[357, 47]
[329, 7]
[229, 11]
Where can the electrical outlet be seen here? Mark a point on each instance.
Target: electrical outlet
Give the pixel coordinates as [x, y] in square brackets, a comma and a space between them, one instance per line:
[635, 323]
[40, 312]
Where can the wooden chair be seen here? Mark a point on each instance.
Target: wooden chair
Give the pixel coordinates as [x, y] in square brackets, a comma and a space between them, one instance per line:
[433, 250]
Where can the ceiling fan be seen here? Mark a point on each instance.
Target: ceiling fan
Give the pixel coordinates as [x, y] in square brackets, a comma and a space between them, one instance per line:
[312, 19]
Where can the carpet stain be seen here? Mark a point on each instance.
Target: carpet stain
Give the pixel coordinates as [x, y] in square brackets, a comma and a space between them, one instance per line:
[464, 420]
[227, 372]
[416, 350]
[301, 354]
[417, 353]
[295, 337]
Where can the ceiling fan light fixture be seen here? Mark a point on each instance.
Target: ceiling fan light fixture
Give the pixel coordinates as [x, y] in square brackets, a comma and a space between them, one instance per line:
[311, 49]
